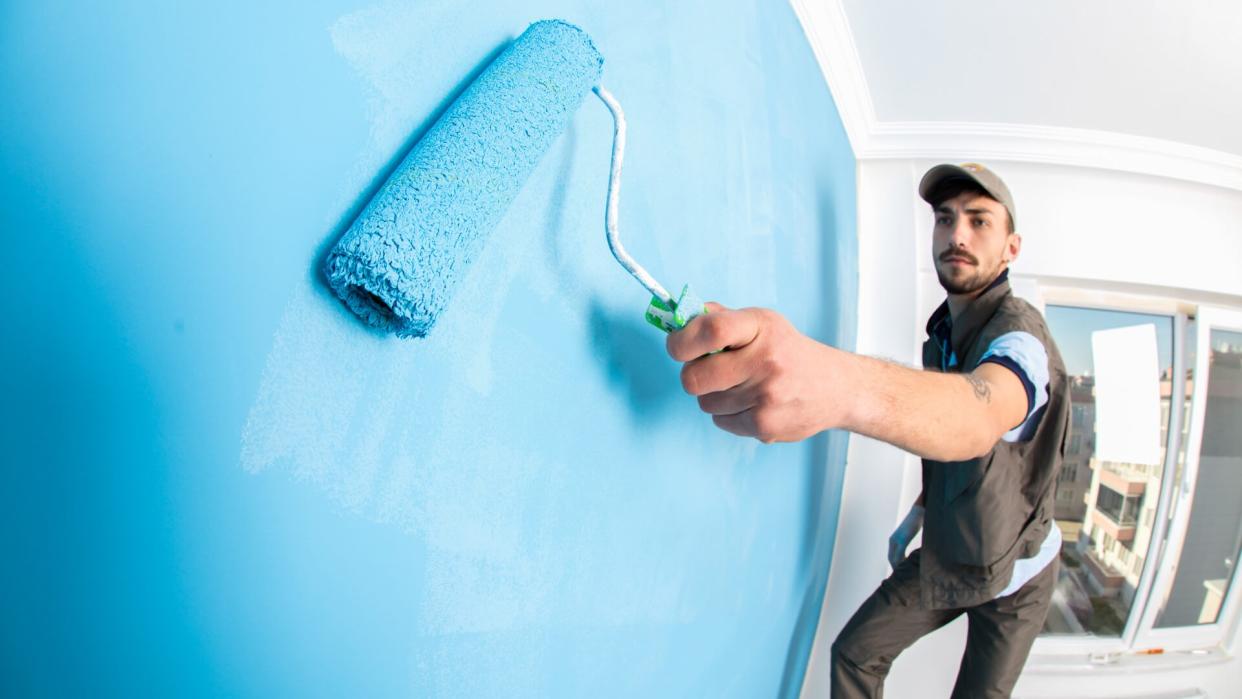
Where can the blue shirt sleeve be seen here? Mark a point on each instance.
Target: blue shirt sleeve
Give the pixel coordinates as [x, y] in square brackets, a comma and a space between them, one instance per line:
[1025, 356]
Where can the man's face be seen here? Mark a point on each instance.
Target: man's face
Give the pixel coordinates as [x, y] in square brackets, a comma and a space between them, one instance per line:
[971, 242]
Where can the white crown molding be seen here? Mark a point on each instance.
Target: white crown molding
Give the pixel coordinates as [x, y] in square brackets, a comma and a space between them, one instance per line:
[827, 29]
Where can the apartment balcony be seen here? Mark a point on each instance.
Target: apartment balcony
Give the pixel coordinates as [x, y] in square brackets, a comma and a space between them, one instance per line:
[1122, 530]
[1103, 577]
[1125, 479]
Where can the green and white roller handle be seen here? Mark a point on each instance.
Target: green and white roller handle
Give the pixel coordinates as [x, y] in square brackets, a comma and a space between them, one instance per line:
[664, 312]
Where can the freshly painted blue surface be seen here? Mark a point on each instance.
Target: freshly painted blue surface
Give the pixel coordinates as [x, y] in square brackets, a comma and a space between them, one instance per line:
[219, 482]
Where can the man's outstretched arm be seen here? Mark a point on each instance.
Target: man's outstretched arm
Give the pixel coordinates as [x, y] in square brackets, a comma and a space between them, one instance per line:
[777, 385]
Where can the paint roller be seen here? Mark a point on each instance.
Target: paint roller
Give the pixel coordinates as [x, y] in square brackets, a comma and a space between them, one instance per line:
[400, 261]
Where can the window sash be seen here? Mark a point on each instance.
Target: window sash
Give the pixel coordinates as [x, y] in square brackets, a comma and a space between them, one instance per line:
[1138, 626]
[1202, 635]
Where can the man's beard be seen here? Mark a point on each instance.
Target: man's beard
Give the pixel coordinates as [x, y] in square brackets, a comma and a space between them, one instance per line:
[970, 283]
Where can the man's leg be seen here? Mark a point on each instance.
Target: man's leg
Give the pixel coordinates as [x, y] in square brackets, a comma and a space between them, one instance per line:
[1000, 637]
[888, 622]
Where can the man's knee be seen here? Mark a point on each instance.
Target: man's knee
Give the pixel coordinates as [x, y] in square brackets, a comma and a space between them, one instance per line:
[850, 656]
[852, 679]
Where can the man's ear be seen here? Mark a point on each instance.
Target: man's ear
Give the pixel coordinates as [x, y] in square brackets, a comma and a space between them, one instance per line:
[1013, 246]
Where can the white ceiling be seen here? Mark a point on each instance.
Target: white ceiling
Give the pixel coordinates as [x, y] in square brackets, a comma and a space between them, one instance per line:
[1165, 69]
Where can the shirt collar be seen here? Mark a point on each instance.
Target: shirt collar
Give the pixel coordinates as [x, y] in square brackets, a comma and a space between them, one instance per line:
[942, 329]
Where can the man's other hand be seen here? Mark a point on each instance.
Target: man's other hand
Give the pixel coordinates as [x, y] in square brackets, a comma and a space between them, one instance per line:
[767, 381]
[903, 535]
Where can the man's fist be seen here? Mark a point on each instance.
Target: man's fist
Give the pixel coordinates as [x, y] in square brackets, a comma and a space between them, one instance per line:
[770, 381]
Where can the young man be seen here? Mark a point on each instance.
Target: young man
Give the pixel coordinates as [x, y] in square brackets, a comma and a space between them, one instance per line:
[989, 415]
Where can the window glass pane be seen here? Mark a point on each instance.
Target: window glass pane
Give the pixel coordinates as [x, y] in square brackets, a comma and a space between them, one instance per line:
[1105, 509]
[1214, 535]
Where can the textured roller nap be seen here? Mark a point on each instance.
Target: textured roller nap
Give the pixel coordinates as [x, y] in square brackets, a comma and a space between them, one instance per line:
[399, 263]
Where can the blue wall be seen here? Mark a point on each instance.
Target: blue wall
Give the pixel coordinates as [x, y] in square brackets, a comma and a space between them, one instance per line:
[218, 482]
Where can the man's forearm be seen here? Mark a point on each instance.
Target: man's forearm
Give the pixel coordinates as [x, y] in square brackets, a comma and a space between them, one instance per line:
[940, 416]
[777, 385]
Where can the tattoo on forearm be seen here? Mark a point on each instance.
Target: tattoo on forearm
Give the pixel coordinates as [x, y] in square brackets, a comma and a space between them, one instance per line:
[982, 390]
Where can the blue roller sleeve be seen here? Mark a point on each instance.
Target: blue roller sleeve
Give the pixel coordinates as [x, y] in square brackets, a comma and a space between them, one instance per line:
[400, 262]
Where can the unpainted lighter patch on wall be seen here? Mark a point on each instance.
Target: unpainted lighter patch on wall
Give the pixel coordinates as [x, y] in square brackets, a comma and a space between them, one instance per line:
[337, 402]
[404, 76]
[333, 392]
[323, 408]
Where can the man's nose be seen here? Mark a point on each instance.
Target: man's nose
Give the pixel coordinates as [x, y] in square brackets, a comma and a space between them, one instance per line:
[961, 232]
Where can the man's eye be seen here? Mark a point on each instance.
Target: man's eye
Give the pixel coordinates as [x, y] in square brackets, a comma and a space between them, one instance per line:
[980, 222]
[943, 221]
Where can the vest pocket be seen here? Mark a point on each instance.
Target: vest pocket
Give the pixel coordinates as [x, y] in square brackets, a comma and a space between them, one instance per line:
[961, 476]
[984, 509]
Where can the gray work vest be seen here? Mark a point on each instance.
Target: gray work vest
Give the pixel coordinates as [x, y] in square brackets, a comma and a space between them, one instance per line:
[982, 514]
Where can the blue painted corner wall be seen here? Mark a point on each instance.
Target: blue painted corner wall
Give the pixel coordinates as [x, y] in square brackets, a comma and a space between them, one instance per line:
[217, 482]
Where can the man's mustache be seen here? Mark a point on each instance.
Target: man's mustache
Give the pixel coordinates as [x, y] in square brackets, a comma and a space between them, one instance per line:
[951, 253]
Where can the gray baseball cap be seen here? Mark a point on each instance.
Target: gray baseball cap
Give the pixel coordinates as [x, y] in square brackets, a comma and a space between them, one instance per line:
[973, 172]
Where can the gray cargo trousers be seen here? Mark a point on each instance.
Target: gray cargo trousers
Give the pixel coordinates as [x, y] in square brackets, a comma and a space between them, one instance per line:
[999, 636]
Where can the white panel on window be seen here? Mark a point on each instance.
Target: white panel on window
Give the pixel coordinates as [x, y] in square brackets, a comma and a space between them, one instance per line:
[1127, 395]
